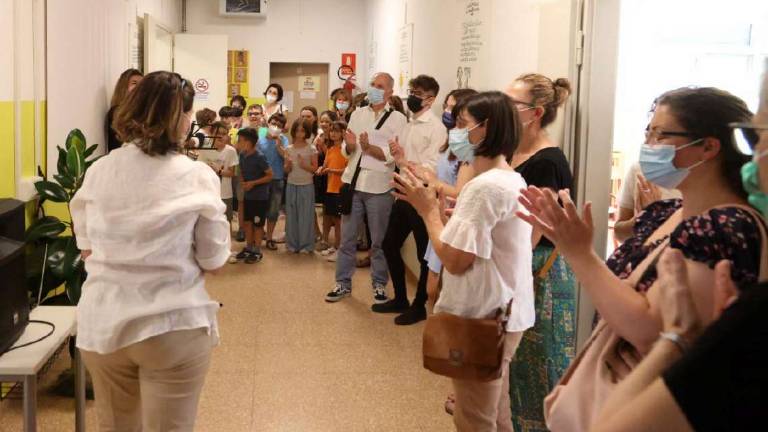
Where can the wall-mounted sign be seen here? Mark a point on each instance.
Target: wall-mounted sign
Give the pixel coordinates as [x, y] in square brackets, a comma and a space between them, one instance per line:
[309, 83]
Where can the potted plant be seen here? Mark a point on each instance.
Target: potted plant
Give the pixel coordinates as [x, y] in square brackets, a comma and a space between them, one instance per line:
[55, 259]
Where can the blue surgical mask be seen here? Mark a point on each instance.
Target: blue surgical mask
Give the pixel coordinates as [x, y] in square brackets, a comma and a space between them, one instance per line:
[448, 120]
[657, 164]
[375, 95]
[751, 181]
[458, 143]
[343, 106]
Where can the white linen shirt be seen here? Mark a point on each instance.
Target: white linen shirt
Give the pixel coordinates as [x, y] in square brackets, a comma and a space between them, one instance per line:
[365, 120]
[422, 139]
[152, 223]
[485, 224]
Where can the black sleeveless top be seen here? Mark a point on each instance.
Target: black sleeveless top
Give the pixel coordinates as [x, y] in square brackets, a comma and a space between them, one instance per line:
[547, 168]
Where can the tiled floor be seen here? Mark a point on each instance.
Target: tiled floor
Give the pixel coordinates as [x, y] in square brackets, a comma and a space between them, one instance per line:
[288, 361]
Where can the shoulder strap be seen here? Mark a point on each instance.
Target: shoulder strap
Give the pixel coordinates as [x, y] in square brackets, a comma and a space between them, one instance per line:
[384, 118]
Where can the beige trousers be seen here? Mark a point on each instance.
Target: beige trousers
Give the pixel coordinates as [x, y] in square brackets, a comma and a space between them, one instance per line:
[485, 406]
[152, 385]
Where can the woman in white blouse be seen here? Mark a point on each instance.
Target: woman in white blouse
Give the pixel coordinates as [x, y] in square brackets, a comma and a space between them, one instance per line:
[149, 221]
[484, 246]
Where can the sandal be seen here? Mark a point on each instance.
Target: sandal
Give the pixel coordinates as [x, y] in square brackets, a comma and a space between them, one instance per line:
[271, 245]
[450, 404]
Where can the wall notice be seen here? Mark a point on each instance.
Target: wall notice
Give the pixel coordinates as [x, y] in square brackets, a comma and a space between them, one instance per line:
[237, 72]
[309, 83]
[405, 58]
[471, 43]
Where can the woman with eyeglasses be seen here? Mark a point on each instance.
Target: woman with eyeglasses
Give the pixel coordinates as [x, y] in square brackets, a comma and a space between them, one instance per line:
[699, 376]
[689, 146]
[548, 348]
[149, 223]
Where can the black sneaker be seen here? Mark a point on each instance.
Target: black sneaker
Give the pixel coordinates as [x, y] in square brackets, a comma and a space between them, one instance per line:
[338, 293]
[379, 294]
[243, 254]
[390, 306]
[253, 257]
[412, 316]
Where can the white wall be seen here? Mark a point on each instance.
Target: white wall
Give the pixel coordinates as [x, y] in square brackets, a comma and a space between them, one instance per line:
[295, 31]
[518, 36]
[88, 48]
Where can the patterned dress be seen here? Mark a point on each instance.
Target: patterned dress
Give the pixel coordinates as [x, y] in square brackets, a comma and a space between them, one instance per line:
[547, 349]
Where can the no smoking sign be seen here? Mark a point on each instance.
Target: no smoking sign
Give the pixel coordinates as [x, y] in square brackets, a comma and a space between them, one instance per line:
[202, 85]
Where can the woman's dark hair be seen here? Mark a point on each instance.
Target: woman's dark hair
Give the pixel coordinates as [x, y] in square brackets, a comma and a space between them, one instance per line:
[397, 104]
[304, 124]
[547, 94]
[151, 115]
[238, 98]
[249, 134]
[460, 95]
[121, 87]
[313, 110]
[277, 87]
[706, 112]
[502, 124]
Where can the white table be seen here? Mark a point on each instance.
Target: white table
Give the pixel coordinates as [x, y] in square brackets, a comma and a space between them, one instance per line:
[23, 364]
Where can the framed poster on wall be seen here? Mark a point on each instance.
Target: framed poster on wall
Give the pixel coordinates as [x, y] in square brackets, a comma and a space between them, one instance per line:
[243, 8]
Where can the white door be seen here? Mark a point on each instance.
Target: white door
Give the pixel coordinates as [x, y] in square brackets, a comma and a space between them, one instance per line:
[158, 46]
[202, 59]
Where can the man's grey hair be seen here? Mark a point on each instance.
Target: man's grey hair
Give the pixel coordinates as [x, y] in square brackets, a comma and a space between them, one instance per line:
[390, 80]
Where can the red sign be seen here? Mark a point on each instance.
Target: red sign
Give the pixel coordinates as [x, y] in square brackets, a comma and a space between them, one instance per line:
[349, 59]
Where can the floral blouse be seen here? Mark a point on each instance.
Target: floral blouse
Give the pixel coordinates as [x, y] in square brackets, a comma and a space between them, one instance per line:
[728, 233]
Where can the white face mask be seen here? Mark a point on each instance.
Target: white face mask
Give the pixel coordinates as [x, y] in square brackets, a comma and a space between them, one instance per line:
[271, 98]
[274, 130]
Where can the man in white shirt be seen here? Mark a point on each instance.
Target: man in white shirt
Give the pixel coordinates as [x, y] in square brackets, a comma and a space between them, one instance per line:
[370, 129]
[419, 150]
[223, 162]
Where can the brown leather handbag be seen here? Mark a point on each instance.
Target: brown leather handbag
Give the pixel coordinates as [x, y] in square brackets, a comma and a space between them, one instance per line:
[465, 348]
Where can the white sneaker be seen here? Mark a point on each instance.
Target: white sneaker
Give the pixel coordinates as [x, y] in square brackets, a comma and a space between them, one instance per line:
[332, 257]
[330, 251]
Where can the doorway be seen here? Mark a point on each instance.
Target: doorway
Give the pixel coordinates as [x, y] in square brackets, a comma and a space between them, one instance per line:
[304, 84]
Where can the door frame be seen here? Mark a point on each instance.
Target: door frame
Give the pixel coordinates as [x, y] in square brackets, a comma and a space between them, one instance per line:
[590, 124]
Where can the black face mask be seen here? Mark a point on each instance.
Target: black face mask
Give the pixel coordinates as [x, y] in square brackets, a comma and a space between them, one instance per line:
[415, 103]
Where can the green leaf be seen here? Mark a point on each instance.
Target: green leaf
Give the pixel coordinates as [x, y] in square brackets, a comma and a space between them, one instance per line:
[88, 152]
[51, 191]
[64, 258]
[61, 162]
[76, 139]
[74, 287]
[45, 227]
[65, 180]
[75, 162]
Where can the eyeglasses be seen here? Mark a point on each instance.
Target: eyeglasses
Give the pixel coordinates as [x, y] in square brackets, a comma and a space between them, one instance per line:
[522, 105]
[746, 136]
[654, 135]
[419, 94]
[254, 113]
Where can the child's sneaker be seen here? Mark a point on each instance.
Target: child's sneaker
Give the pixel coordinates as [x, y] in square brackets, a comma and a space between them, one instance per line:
[379, 294]
[253, 257]
[240, 256]
[338, 293]
[329, 251]
[332, 256]
[321, 246]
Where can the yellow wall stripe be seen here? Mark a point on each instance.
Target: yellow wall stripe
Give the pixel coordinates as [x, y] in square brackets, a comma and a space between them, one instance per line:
[7, 151]
[28, 168]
